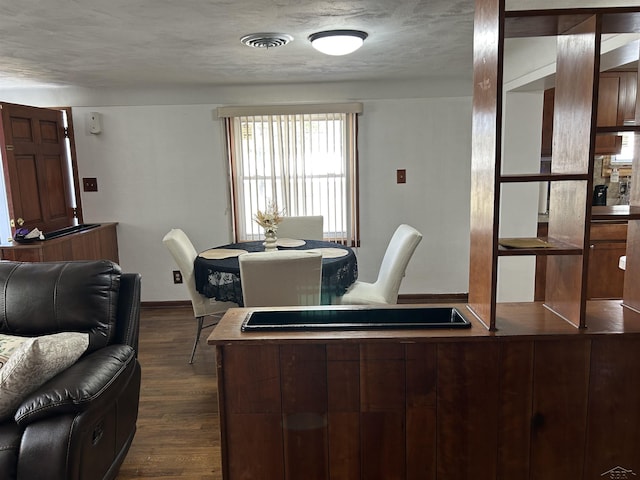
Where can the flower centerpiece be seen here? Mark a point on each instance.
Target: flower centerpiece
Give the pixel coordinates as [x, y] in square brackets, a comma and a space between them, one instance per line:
[269, 220]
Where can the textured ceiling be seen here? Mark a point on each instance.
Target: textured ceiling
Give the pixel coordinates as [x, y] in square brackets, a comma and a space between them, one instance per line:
[127, 43]
[111, 43]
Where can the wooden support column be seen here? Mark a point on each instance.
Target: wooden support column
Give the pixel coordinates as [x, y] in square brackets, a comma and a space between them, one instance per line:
[574, 122]
[631, 294]
[488, 43]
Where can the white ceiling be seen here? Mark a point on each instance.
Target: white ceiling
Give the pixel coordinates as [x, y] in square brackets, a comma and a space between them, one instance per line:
[112, 43]
[128, 43]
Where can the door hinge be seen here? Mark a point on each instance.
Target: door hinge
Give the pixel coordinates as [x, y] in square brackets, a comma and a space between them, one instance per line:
[74, 212]
[19, 222]
[9, 147]
[66, 132]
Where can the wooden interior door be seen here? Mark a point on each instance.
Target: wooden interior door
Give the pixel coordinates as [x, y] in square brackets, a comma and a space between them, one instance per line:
[37, 175]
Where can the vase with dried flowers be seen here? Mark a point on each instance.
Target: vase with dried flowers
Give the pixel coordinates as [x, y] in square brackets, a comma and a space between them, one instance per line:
[269, 220]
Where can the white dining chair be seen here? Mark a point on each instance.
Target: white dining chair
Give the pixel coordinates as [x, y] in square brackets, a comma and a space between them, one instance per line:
[281, 278]
[304, 227]
[392, 269]
[184, 253]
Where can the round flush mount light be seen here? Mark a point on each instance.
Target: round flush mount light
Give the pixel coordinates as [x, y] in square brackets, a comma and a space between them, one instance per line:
[266, 40]
[337, 42]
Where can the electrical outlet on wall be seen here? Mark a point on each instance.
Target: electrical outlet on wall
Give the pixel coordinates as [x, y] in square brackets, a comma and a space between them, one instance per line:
[177, 276]
[90, 184]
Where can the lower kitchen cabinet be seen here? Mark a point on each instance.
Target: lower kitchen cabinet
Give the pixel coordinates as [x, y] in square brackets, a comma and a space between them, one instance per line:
[605, 280]
[608, 244]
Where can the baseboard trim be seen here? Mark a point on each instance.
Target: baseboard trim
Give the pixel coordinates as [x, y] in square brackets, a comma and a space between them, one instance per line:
[406, 298]
[433, 298]
[169, 304]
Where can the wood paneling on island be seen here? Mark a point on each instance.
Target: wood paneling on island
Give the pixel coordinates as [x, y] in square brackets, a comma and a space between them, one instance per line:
[537, 398]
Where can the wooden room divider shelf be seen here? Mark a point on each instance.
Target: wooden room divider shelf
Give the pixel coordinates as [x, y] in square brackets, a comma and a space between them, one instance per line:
[617, 130]
[552, 247]
[579, 34]
[543, 177]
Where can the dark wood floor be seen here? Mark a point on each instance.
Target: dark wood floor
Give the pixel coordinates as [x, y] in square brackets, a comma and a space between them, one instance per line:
[178, 432]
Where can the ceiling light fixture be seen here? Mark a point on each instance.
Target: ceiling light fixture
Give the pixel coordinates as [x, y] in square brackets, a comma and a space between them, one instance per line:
[337, 42]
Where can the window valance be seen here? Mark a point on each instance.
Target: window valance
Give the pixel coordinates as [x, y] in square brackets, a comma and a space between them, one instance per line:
[298, 109]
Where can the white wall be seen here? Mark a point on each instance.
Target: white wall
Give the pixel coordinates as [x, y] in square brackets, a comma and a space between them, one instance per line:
[519, 201]
[160, 163]
[160, 167]
[431, 139]
[157, 167]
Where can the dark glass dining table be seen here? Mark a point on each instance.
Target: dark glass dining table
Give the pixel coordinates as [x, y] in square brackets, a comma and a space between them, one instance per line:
[219, 278]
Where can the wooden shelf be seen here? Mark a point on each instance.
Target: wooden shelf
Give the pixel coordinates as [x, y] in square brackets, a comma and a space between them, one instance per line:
[543, 177]
[544, 23]
[617, 129]
[557, 248]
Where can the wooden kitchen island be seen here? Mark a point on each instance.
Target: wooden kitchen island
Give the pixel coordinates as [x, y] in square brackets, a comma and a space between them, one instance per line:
[536, 399]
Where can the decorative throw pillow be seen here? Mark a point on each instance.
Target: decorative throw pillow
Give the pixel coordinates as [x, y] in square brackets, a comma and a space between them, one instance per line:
[32, 361]
[8, 343]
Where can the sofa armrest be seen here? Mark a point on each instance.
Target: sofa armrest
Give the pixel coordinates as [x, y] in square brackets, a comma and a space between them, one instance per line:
[93, 381]
[128, 323]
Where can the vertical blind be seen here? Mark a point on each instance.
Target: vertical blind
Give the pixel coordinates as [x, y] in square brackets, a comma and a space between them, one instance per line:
[305, 163]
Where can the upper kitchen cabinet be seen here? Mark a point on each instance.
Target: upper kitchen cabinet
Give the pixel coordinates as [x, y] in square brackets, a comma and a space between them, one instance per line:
[616, 107]
[626, 85]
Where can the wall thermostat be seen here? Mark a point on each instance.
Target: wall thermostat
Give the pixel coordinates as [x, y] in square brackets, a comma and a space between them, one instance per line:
[95, 122]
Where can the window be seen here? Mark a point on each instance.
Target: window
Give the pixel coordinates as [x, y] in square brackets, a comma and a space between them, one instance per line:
[625, 156]
[303, 159]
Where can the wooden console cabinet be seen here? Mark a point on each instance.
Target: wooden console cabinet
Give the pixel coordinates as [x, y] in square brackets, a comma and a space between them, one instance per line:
[97, 243]
[538, 399]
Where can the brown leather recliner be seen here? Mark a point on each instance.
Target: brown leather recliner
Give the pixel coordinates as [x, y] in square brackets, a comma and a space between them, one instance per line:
[79, 425]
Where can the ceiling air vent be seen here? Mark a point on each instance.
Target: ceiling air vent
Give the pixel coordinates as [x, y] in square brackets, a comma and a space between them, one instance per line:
[266, 40]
